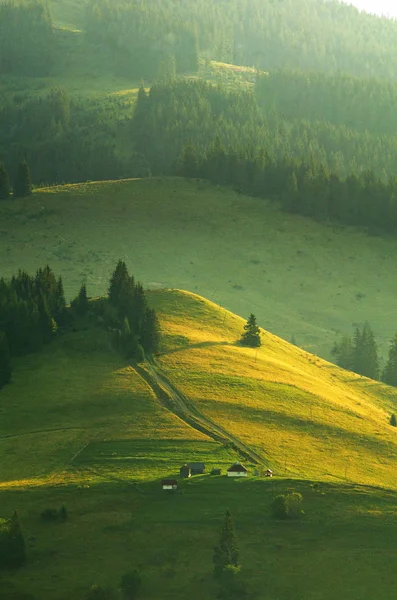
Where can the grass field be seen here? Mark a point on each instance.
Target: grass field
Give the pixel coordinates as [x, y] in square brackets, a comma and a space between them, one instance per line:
[79, 427]
[300, 278]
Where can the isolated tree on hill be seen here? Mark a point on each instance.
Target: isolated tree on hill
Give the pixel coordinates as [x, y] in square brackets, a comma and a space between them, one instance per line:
[22, 183]
[389, 374]
[252, 335]
[393, 420]
[226, 553]
[4, 183]
[5, 360]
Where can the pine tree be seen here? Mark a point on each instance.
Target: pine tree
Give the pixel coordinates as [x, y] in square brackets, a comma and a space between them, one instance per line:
[365, 353]
[59, 312]
[80, 303]
[389, 374]
[251, 336]
[188, 161]
[344, 353]
[5, 360]
[393, 420]
[4, 183]
[121, 289]
[226, 553]
[22, 183]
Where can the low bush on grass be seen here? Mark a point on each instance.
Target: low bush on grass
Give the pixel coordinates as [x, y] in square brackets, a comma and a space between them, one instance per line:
[287, 506]
[52, 514]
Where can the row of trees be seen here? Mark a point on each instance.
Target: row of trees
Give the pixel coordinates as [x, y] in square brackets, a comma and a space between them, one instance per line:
[359, 353]
[33, 309]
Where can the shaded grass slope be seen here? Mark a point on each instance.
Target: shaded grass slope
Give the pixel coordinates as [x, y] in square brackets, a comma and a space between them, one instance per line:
[300, 278]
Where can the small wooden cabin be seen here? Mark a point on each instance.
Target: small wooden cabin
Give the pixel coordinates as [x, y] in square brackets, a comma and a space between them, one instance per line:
[196, 468]
[237, 470]
[185, 472]
[169, 484]
[269, 473]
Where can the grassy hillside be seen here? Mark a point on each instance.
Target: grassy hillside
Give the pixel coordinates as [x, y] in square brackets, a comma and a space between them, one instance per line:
[299, 277]
[81, 427]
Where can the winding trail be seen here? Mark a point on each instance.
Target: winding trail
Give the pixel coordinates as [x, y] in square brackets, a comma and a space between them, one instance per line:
[175, 401]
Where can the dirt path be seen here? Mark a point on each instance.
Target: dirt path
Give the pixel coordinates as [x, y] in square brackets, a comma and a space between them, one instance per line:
[175, 401]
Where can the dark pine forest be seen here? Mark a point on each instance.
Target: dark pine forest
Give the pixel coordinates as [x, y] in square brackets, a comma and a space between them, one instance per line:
[316, 129]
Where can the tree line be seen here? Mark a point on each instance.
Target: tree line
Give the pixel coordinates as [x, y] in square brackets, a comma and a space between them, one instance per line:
[33, 310]
[359, 353]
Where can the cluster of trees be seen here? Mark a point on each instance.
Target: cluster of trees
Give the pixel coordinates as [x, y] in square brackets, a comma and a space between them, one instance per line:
[151, 40]
[358, 103]
[22, 182]
[31, 310]
[148, 36]
[26, 38]
[138, 330]
[359, 353]
[65, 140]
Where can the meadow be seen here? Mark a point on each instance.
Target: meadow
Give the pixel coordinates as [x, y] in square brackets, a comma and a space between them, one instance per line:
[99, 440]
[300, 278]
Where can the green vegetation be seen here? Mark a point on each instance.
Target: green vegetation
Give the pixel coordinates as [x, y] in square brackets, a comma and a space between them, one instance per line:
[297, 276]
[104, 439]
[226, 552]
[252, 335]
[287, 506]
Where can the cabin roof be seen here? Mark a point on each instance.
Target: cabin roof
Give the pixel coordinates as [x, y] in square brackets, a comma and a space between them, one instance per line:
[237, 468]
[169, 482]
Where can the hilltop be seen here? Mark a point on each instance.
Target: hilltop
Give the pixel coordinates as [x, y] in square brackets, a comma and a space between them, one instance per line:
[105, 432]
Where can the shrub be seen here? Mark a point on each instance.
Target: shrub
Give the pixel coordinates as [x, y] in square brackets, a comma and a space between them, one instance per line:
[131, 583]
[393, 420]
[52, 514]
[287, 506]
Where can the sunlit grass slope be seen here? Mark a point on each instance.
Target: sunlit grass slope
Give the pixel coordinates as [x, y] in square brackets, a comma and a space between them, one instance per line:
[305, 416]
[299, 277]
[77, 397]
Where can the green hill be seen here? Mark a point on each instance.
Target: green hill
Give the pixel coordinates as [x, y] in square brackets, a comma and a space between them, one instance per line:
[100, 434]
[300, 278]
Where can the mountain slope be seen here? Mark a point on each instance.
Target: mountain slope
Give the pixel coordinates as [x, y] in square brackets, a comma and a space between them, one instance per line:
[298, 277]
[81, 427]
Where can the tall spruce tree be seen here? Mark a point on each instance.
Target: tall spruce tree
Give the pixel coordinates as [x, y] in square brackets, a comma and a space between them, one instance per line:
[80, 303]
[226, 552]
[389, 374]
[5, 360]
[4, 183]
[252, 335]
[22, 182]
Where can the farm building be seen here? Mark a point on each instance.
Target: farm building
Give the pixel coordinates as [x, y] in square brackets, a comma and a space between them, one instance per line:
[185, 472]
[196, 468]
[169, 484]
[237, 470]
[269, 473]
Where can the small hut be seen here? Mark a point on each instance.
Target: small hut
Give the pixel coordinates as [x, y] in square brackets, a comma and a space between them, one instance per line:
[196, 468]
[169, 484]
[269, 473]
[185, 472]
[237, 470]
